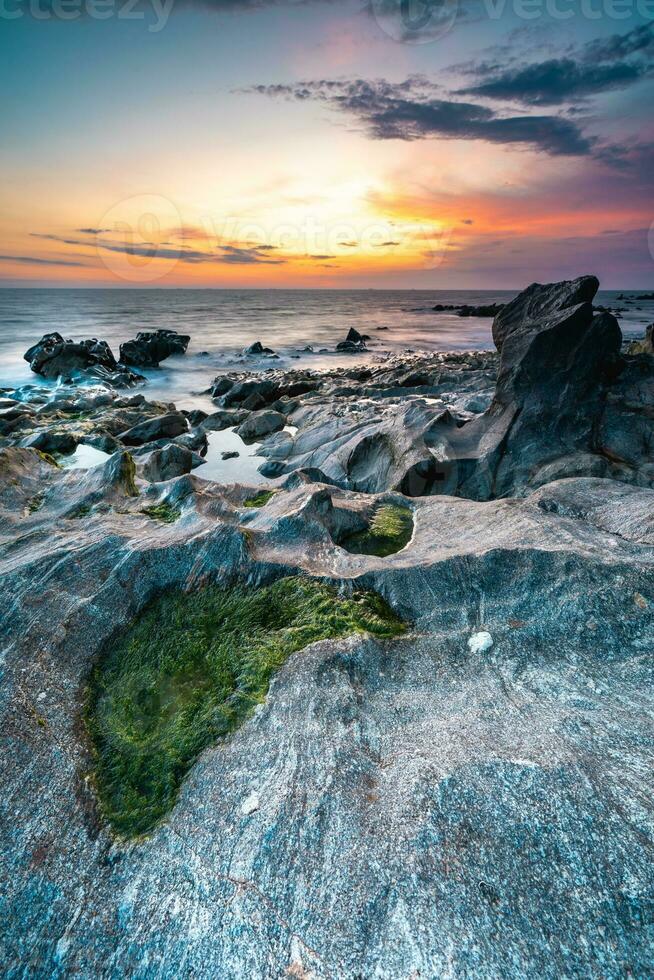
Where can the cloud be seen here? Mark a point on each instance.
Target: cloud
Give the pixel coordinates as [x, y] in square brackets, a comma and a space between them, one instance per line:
[224, 254]
[414, 110]
[32, 260]
[92, 231]
[556, 81]
[598, 66]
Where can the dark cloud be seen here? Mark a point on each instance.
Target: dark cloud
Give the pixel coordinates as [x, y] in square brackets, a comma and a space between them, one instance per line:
[225, 254]
[386, 244]
[598, 66]
[414, 110]
[31, 260]
[556, 81]
[92, 231]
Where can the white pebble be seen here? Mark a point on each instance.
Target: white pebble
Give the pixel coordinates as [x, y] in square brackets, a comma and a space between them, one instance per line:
[480, 642]
[250, 804]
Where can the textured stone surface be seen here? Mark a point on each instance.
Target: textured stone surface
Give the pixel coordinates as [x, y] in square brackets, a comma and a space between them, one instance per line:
[421, 809]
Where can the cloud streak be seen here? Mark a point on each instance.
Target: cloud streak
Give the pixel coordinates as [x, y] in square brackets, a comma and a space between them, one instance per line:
[415, 110]
[599, 66]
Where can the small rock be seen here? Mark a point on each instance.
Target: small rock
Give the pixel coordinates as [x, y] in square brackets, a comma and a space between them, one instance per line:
[250, 804]
[480, 642]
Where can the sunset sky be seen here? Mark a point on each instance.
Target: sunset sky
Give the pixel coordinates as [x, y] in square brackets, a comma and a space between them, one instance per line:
[326, 144]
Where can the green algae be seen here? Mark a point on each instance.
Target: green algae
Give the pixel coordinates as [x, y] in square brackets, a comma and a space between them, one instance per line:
[389, 530]
[260, 499]
[163, 513]
[190, 670]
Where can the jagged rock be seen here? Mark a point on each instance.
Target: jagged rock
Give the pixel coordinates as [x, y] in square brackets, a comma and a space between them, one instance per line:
[260, 424]
[53, 357]
[257, 348]
[160, 427]
[151, 347]
[353, 343]
[220, 387]
[538, 301]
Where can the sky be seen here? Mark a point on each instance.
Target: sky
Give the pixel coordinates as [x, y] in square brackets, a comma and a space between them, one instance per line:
[468, 144]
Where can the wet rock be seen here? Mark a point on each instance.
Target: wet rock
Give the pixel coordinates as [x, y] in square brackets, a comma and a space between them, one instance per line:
[257, 348]
[242, 390]
[53, 357]
[169, 462]
[162, 426]
[52, 441]
[260, 424]
[220, 387]
[151, 347]
[464, 310]
[224, 419]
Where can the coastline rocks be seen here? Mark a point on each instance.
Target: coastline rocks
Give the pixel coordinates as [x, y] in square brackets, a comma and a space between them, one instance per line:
[160, 427]
[151, 347]
[467, 311]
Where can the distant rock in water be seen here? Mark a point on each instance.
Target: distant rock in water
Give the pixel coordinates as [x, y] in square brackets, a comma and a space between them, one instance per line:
[151, 347]
[53, 357]
[353, 343]
[258, 348]
[481, 311]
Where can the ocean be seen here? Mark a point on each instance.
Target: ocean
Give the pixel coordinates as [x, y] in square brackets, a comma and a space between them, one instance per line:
[222, 322]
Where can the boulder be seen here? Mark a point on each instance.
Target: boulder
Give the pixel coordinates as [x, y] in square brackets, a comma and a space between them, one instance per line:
[261, 424]
[169, 462]
[241, 391]
[161, 427]
[151, 347]
[538, 301]
[54, 357]
[224, 419]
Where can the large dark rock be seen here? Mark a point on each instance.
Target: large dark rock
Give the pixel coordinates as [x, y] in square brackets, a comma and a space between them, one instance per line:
[54, 357]
[555, 368]
[150, 348]
[260, 424]
[538, 301]
[161, 427]
[353, 343]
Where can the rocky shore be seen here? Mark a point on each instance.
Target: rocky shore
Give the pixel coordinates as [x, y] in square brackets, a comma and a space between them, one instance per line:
[434, 759]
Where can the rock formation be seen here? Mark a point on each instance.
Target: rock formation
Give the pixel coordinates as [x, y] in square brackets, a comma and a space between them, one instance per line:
[151, 347]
